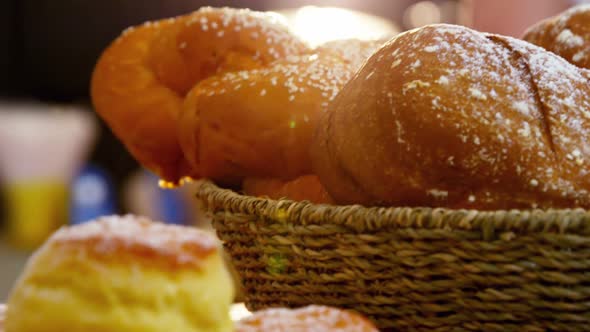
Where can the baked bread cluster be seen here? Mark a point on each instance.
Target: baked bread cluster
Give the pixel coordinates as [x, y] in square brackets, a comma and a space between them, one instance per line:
[221, 93]
[440, 116]
[566, 34]
[448, 116]
[127, 273]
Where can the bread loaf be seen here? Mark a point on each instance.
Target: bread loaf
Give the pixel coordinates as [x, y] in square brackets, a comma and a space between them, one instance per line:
[220, 93]
[445, 116]
[141, 79]
[260, 122]
[567, 34]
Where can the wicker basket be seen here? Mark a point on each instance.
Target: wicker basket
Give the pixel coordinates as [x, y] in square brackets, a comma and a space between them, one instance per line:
[411, 269]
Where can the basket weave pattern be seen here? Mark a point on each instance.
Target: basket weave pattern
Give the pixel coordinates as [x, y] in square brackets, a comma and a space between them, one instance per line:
[411, 269]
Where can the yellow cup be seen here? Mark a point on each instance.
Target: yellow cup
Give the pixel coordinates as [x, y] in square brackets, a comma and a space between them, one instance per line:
[35, 209]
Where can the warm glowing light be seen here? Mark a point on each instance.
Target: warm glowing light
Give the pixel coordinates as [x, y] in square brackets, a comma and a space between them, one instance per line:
[318, 25]
[422, 13]
[238, 311]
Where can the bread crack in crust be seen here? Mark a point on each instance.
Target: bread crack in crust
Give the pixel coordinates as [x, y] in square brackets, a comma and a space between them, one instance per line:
[450, 117]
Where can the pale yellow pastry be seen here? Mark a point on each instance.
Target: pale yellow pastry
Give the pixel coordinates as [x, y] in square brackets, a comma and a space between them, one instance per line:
[123, 274]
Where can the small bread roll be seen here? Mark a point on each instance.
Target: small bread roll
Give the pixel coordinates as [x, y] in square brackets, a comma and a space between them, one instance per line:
[445, 116]
[141, 79]
[123, 274]
[306, 319]
[303, 188]
[260, 122]
[566, 34]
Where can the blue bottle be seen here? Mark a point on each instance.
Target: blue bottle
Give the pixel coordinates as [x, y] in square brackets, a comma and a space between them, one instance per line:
[92, 195]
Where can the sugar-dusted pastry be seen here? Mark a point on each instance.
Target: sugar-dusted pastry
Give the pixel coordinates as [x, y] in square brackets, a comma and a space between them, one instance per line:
[259, 123]
[312, 318]
[451, 117]
[141, 79]
[123, 274]
[566, 34]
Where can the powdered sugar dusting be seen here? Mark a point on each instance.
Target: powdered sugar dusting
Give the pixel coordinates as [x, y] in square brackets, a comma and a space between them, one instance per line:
[475, 93]
[516, 111]
[568, 39]
[324, 71]
[108, 235]
[225, 22]
[522, 107]
[438, 194]
[296, 75]
[307, 319]
[579, 56]
[566, 34]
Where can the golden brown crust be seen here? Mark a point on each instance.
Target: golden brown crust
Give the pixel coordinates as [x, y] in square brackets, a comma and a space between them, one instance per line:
[259, 123]
[220, 93]
[137, 239]
[139, 110]
[303, 188]
[212, 41]
[141, 79]
[566, 34]
[447, 116]
[306, 319]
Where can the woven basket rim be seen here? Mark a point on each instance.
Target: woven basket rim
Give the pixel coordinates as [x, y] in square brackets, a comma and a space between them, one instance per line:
[361, 218]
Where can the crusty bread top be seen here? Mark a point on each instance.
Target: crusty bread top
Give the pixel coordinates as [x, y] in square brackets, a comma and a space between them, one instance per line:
[448, 116]
[566, 34]
[260, 122]
[135, 238]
